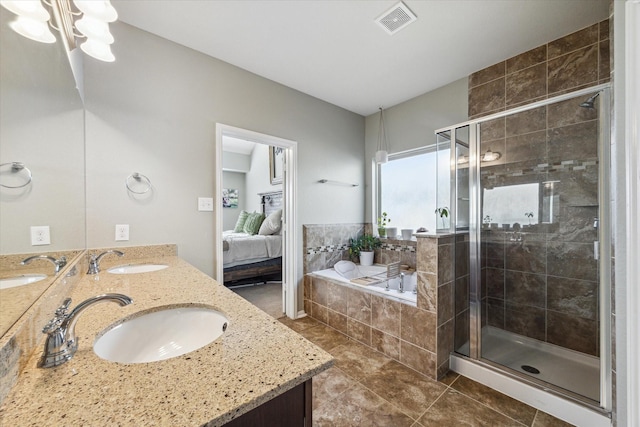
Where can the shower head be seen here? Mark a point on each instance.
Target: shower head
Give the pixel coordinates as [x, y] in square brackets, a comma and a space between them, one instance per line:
[589, 102]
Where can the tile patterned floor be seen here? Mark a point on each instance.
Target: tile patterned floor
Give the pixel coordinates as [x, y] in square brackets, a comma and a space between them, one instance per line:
[366, 388]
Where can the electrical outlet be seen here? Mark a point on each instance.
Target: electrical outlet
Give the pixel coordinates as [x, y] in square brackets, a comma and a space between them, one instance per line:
[122, 232]
[40, 235]
[205, 204]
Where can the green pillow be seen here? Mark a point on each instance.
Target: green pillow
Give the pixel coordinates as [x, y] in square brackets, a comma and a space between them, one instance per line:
[252, 225]
[242, 218]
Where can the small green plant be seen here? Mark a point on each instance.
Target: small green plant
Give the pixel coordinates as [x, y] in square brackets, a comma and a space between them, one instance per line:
[443, 212]
[364, 243]
[382, 223]
[487, 219]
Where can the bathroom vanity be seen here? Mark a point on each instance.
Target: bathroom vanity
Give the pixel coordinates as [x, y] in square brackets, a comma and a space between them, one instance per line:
[257, 371]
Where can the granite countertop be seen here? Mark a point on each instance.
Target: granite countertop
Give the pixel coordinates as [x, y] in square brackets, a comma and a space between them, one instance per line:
[256, 359]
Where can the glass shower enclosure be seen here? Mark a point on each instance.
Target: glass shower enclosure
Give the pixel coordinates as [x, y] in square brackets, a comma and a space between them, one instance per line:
[529, 199]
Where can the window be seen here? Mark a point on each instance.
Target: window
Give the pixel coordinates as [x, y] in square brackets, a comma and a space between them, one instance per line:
[408, 187]
[511, 204]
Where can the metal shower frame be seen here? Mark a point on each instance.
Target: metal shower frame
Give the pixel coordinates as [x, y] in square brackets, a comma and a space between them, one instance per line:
[604, 234]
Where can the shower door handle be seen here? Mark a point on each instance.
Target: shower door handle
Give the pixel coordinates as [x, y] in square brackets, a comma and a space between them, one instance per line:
[596, 250]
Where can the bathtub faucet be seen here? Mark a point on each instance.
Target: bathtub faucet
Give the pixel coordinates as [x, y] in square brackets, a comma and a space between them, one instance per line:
[401, 285]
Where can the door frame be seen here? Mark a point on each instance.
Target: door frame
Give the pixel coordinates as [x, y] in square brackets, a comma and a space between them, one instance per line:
[289, 211]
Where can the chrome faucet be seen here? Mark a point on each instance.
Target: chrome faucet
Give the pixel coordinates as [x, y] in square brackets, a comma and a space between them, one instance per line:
[61, 343]
[401, 284]
[94, 261]
[58, 263]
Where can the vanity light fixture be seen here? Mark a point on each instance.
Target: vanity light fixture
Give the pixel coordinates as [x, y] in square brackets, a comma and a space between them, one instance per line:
[490, 156]
[382, 150]
[74, 19]
[463, 159]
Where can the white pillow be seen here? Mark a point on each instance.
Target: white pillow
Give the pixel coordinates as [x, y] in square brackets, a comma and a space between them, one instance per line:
[271, 224]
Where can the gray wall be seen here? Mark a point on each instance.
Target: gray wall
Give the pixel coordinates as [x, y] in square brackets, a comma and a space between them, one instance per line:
[412, 124]
[41, 125]
[235, 180]
[154, 111]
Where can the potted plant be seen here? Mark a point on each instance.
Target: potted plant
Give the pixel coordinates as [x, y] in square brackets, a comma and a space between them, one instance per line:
[382, 224]
[530, 216]
[443, 212]
[363, 247]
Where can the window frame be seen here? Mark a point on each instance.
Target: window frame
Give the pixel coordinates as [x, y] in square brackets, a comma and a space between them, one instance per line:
[376, 168]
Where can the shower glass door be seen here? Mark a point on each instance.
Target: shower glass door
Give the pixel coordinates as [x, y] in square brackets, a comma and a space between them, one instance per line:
[538, 306]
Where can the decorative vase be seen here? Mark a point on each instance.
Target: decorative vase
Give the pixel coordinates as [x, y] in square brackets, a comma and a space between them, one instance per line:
[366, 258]
[407, 233]
[392, 232]
[382, 231]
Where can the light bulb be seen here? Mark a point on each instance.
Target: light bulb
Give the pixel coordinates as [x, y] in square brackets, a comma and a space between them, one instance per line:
[95, 29]
[29, 8]
[490, 156]
[98, 9]
[98, 50]
[32, 29]
[382, 157]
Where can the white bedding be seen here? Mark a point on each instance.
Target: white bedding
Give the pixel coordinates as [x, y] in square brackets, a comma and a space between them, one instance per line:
[244, 248]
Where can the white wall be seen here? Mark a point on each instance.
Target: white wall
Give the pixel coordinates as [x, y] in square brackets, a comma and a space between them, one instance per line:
[258, 177]
[154, 111]
[235, 162]
[234, 180]
[412, 124]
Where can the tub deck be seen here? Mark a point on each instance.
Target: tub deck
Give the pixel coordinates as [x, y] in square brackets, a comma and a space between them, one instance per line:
[373, 279]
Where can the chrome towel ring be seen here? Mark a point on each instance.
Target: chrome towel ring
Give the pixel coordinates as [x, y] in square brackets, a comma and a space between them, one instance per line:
[16, 167]
[138, 177]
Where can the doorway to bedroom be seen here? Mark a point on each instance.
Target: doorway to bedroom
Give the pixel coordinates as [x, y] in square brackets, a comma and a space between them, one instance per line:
[254, 218]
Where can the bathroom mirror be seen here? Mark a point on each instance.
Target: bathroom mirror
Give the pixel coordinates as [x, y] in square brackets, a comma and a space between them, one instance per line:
[41, 127]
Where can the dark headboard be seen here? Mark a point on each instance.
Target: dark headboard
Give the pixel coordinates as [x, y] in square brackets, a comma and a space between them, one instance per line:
[270, 202]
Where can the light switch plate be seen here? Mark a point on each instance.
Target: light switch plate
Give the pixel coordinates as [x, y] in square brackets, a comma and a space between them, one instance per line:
[205, 204]
[40, 235]
[122, 232]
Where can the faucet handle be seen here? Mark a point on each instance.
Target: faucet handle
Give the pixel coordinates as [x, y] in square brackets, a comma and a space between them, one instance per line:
[52, 325]
[63, 309]
[61, 313]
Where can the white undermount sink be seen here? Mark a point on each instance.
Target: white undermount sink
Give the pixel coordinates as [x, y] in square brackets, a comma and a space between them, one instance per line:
[24, 279]
[162, 334]
[136, 268]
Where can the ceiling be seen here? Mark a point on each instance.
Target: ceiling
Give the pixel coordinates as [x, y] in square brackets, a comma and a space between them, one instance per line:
[236, 145]
[333, 50]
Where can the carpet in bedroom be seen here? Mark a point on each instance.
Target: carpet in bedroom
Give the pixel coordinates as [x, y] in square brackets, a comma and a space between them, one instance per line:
[267, 297]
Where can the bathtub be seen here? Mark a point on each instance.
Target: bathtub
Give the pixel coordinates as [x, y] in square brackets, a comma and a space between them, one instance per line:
[387, 288]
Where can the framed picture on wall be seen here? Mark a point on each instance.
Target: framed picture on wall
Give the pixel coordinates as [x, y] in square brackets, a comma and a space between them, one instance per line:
[276, 157]
[229, 198]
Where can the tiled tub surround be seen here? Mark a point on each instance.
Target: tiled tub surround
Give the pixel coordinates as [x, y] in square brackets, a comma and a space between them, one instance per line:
[420, 336]
[255, 360]
[573, 62]
[384, 287]
[326, 244]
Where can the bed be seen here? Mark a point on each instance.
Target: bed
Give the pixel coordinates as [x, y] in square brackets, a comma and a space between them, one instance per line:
[250, 258]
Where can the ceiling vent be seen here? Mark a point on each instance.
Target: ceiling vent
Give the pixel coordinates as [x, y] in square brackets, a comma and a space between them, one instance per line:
[396, 18]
